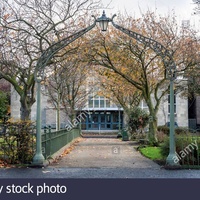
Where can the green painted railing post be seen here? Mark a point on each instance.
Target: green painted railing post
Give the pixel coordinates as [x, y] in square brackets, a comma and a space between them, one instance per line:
[45, 142]
[49, 140]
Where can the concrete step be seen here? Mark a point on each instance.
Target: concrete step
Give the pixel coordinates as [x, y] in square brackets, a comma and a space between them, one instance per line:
[99, 134]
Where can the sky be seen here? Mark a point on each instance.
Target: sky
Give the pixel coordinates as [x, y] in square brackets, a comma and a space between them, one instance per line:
[184, 9]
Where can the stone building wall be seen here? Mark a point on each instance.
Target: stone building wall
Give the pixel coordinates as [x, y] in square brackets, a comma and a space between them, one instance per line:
[15, 105]
[181, 114]
[49, 113]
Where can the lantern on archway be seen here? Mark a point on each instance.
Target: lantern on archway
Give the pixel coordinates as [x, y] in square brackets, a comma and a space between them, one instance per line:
[103, 21]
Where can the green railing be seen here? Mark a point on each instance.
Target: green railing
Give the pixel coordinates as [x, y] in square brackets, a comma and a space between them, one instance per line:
[54, 141]
[188, 151]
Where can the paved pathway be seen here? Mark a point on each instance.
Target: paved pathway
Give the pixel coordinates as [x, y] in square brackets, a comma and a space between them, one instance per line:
[100, 158]
[105, 153]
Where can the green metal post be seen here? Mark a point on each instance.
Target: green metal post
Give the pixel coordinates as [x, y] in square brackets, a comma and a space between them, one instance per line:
[38, 159]
[171, 160]
[119, 120]
[49, 140]
[119, 135]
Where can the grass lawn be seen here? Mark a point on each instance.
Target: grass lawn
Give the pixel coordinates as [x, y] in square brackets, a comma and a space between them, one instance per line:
[153, 153]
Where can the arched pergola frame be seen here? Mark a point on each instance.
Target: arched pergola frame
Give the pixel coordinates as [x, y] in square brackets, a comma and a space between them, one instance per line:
[157, 47]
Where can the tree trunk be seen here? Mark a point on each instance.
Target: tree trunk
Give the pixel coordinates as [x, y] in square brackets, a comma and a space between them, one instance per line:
[152, 129]
[152, 123]
[25, 111]
[72, 115]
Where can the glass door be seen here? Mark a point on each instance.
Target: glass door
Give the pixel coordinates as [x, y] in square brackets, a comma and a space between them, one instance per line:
[99, 121]
[93, 122]
[108, 121]
[102, 118]
[105, 121]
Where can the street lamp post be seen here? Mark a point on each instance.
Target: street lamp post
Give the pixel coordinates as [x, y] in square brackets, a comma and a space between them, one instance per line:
[38, 159]
[43, 61]
[170, 161]
[170, 66]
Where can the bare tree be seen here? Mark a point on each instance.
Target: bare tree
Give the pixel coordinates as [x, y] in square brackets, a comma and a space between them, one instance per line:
[67, 86]
[138, 64]
[27, 29]
[197, 8]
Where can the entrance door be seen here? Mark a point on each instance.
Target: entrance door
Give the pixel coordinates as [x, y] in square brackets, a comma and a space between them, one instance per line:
[100, 121]
[105, 121]
[108, 121]
[93, 122]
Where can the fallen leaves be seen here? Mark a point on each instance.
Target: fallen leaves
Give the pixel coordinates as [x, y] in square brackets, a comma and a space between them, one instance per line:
[68, 150]
[72, 146]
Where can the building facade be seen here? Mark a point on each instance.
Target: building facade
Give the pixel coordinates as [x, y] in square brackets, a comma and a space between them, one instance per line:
[100, 113]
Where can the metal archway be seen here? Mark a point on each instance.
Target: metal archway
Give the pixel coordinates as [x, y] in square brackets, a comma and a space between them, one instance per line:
[158, 48]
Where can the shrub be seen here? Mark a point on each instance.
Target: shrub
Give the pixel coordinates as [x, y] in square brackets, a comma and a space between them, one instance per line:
[163, 129]
[181, 131]
[138, 119]
[18, 142]
[183, 141]
[178, 130]
[161, 136]
[180, 142]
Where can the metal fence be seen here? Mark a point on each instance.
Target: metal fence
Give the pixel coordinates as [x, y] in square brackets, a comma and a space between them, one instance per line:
[188, 151]
[54, 141]
[18, 142]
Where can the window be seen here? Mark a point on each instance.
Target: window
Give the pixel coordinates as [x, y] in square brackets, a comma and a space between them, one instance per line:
[90, 103]
[96, 103]
[99, 102]
[102, 103]
[174, 103]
